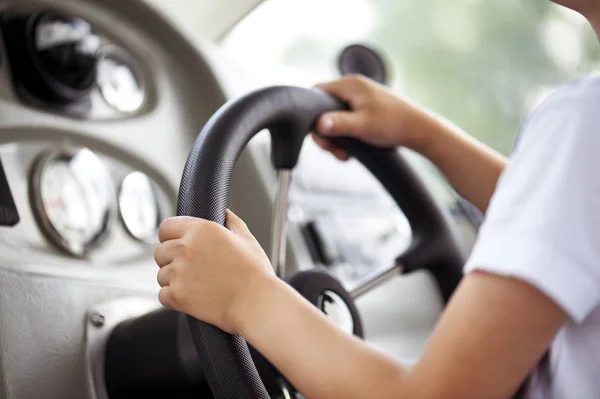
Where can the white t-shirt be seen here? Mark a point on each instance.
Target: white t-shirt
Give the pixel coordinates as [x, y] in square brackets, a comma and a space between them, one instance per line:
[543, 227]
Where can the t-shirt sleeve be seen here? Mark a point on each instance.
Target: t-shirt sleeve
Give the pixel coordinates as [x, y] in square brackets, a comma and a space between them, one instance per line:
[543, 223]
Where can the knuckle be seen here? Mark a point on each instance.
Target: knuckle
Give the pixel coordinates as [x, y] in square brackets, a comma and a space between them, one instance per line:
[164, 225]
[164, 297]
[185, 247]
[357, 79]
[164, 277]
[160, 279]
[157, 255]
[241, 223]
[177, 297]
[196, 227]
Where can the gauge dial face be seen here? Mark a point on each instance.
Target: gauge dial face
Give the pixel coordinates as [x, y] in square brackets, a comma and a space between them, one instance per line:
[73, 199]
[67, 49]
[139, 207]
[120, 85]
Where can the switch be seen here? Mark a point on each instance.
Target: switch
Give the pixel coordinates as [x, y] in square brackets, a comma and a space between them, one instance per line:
[321, 244]
[9, 216]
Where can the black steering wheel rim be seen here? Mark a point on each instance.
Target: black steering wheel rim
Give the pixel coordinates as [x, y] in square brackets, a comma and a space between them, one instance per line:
[289, 113]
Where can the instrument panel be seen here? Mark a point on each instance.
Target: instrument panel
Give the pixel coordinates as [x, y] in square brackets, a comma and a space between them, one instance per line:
[84, 203]
[61, 64]
[72, 199]
[75, 203]
[139, 207]
[120, 80]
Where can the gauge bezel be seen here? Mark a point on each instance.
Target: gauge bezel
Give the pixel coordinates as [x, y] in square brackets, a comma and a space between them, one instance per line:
[59, 90]
[118, 54]
[49, 231]
[146, 240]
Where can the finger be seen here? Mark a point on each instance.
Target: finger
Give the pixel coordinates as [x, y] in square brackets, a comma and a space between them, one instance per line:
[340, 154]
[234, 223]
[325, 144]
[342, 123]
[164, 276]
[174, 228]
[165, 297]
[346, 89]
[166, 252]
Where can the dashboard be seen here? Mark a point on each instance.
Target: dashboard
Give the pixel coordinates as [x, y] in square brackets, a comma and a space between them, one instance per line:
[84, 202]
[80, 201]
[100, 102]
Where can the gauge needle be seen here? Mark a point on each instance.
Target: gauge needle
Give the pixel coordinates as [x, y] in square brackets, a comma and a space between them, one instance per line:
[57, 203]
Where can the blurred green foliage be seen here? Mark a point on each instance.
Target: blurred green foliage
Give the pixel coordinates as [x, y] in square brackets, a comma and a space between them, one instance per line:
[480, 63]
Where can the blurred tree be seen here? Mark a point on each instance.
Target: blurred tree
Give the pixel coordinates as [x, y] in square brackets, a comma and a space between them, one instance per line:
[480, 63]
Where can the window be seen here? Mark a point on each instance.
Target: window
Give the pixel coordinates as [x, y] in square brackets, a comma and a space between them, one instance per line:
[481, 63]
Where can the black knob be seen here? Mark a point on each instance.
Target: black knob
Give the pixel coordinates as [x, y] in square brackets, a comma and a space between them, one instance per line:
[362, 60]
[53, 56]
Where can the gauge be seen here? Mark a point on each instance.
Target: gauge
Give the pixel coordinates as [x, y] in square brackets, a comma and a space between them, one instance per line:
[139, 207]
[119, 82]
[65, 49]
[73, 199]
[53, 56]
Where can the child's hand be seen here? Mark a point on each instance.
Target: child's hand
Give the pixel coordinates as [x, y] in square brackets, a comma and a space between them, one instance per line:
[376, 115]
[209, 271]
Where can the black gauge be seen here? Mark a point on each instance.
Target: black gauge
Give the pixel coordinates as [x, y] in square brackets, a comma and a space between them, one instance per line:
[73, 199]
[53, 55]
[362, 60]
[139, 207]
[120, 81]
[65, 49]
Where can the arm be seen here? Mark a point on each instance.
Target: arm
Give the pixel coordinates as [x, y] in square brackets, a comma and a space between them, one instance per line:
[489, 338]
[535, 265]
[491, 335]
[472, 168]
[379, 117]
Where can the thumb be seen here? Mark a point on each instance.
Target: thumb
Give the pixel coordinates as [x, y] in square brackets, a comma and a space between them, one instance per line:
[341, 123]
[234, 223]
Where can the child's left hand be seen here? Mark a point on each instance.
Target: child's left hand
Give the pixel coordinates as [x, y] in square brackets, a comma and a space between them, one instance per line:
[209, 271]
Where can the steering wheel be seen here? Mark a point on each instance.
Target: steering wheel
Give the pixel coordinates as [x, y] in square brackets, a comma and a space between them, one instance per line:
[289, 113]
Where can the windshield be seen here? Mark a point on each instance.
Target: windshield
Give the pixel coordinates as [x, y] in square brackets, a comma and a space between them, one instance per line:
[483, 64]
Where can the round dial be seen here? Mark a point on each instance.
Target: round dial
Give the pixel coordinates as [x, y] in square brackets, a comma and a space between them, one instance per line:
[73, 199]
[139, 207]
[120, 84]
[64, 53]
[67, 49]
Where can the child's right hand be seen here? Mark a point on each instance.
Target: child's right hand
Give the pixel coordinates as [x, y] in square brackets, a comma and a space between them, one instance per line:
[376, 116]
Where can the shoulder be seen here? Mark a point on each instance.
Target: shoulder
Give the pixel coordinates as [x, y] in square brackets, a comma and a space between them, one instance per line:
[542, 224]
[582, 92]
[570, 115]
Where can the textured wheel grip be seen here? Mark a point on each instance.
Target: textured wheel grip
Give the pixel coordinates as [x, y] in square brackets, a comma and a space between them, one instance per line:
[289, 114]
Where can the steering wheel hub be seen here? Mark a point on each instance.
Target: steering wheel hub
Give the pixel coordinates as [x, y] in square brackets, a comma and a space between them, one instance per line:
[336, 310]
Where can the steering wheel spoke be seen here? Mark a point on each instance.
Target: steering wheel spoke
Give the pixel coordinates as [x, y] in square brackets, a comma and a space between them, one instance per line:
[279, 222]
[373, 281]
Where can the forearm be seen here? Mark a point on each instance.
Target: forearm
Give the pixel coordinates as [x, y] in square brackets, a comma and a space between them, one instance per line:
[472, 168]
[319, 359]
